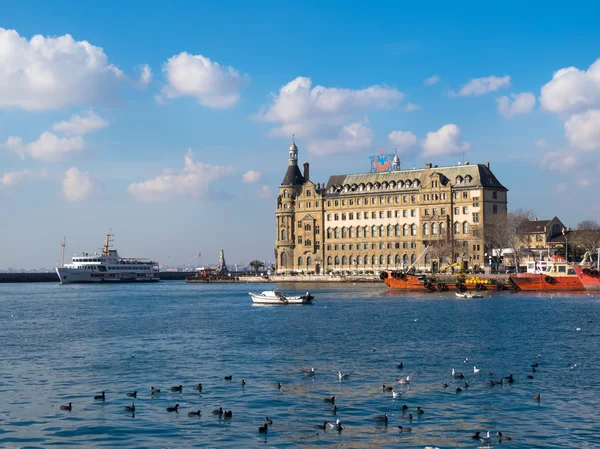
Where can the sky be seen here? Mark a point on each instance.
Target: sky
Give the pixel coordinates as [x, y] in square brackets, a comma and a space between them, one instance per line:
[171, 125]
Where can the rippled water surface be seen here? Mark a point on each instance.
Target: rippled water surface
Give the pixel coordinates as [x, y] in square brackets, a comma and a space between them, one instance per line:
[62, 343]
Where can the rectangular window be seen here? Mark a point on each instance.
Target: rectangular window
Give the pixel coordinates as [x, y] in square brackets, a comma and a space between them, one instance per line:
[405, 213]
[358, 215]
[456, 210]
[299, 224]
[405, 245]
[358, 201]
[495, 208]
[413, 245]
[389, 199]
[381, 246]
[381, 200]
[396, 213]
[358, 246]
[381, 214]
[328, 247]
[465, 210]
[344, 247]
[373, 200]
[351, 202]
[317, 229]
[316, 204]
[308, 193]
[373, 214]
[318, 245]
[389, 214]
[336, 247]
[475, 217]
[404, 198]
[413, 199]
[343, 216]
[307, 227]
[308, 205]
[426, 212]
[495, 195]
[351, 216]
[336, 217]
[413, 212]
[328, 217]
[465, 195]
[397, 199]
[299, 239]
[337, 203]
[443, 196]
[328, 203]
[443, 211]
[343, 202]
[455, 195]
[434, 212]
[475, 232]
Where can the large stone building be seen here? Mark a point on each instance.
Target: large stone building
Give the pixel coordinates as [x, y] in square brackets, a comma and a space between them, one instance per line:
[372, 221]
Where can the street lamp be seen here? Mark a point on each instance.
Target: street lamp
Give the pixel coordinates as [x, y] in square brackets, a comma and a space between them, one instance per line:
[564, 232]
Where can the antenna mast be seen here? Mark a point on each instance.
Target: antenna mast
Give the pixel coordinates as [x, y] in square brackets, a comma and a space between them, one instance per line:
[62, 256]
[107, 243]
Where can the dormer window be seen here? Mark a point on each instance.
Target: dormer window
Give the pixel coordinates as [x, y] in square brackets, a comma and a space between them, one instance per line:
[459, 180]
[468, 179]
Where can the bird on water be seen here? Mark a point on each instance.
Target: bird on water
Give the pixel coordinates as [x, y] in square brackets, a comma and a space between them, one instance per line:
[173, 409]
[131, 409]
[100, 397]
[196, 413]
[132, 394]
[67, 407]
[178, 388]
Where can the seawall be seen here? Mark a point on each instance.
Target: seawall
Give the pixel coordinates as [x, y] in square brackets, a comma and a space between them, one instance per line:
[53, 277]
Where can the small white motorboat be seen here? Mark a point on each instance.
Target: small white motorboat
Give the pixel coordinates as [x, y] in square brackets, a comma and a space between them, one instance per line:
[468, 295]
[273, 297]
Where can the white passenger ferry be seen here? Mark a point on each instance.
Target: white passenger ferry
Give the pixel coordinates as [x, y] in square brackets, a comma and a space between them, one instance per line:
[106, 267]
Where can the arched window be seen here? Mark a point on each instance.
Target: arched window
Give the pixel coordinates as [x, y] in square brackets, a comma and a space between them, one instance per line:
[344, 260]
[366, 231]
[299, 261]
[426, 229]
[397, 259]
[405, 230]
[413, 258]
[433, 228]
[427, 259]
[329, 233]
[397, 230]
[329, 260]
[359, 232]
[390, 231]
[283, 234]
[405, 258]
[465, 228]
[389, 258]
[308, 261]
[457, 228]
[351, 260]
[344, 233]
[337, 260]
[374, 231]
[374, 260]
[336, 232]
[442, 228]
[351, 232]
[414, 229]
[359, 260]
[382, 260]
[381, 231]
[283, 259]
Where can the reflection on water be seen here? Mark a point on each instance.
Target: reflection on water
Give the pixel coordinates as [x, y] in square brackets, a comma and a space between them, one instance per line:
[64, 344]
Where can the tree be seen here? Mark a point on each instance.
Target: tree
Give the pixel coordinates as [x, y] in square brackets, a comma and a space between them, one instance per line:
[256, 265]
[509, 232]
[587, 236]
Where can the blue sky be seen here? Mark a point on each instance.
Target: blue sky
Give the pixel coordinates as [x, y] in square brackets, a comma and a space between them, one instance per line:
[88, 130]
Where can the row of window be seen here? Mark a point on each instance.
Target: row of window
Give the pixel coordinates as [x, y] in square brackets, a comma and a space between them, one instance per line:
[393, 230]
[361, 246]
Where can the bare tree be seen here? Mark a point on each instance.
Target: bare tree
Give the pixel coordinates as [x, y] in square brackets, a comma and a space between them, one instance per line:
[516, 233]
[442, 250]
[587, 236]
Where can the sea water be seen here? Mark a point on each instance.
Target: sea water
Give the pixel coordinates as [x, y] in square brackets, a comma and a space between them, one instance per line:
[67, 343]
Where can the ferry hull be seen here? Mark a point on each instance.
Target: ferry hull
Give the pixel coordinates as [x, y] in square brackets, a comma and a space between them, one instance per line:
[543, 282]
[75, 276]
[401, 281]
[589, 277]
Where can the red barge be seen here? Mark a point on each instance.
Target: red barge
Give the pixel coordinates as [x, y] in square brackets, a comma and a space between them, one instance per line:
[589, 277]
[401, 280]
[553, 275]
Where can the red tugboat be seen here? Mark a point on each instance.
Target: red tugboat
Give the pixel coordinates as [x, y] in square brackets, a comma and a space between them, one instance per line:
[401, 280]
[551, 275]
[589, 277]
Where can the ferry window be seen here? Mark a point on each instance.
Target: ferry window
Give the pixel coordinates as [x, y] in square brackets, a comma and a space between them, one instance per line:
[562, 269]
[571, 271]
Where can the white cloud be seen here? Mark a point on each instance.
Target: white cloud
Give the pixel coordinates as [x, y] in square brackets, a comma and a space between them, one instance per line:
[516, 104]
[481, 86]
[53, 72]
[432, 80]
[562, 161]
[14, 177]
[446, 140]
[81, 124]
[541, 143]
[409, 107]
[251, 176]
[352, 137]
[76, 185]
[403, 140]
[572, 89]
[194, 179]
[583, 130]
[211, 84]
[49, 147]
[265, 192]
[145, 76]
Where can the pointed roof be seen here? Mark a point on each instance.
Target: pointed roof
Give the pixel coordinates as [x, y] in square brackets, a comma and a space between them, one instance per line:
[293, 176]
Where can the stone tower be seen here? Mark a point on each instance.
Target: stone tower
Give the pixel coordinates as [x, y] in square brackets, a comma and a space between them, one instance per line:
[222, 268]
[289, 189]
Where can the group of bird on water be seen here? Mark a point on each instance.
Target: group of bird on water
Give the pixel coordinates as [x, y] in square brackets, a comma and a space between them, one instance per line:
[337, 425]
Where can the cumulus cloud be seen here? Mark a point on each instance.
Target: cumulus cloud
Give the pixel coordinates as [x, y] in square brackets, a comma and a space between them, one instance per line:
[145, 76]
[409, 107]
[251, 176]
[432, 80]
[516, 104]
[265, 191]
[326, 116]
[195, 180]
[403, 140]
[49, 146]
[76, 185]
[446, 140]
[53, 72]
[562, 161]
[572, 89]
[12, 178]
[351, 138]
[583, 130]
[81, 124]
[481, 86]
[211, 84]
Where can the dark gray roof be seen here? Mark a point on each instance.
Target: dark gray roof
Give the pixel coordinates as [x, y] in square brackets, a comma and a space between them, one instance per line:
[535, 226]
[293, 177]
[480, 173]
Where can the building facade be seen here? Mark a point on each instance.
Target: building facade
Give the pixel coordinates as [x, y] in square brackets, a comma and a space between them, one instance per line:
[427, 218]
